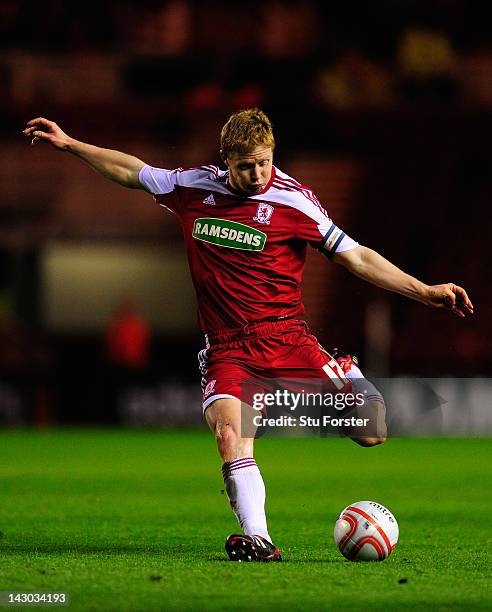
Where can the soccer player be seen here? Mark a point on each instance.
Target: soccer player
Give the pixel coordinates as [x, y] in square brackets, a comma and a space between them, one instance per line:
[246, 231]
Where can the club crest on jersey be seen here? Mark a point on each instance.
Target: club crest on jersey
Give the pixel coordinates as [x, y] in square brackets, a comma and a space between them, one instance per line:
[210, 388]
[263, 213]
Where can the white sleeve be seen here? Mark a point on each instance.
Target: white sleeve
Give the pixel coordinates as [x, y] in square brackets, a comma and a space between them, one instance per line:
[157, 180]
[346, 244]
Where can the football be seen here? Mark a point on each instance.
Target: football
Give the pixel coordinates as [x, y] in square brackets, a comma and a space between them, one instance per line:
[366, 531]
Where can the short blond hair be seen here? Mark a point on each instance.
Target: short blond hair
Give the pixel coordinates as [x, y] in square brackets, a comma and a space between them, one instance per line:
[244, 130]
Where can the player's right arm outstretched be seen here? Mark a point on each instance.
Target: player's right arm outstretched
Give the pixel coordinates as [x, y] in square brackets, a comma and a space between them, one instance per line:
[113, 165]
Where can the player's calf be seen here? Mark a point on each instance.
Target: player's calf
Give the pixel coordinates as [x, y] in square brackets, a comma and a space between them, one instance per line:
[372, 411]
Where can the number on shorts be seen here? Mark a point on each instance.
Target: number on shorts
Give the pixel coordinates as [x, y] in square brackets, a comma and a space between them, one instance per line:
[335, 372]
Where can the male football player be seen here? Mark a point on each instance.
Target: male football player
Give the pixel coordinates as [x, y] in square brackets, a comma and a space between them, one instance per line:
[246, 231]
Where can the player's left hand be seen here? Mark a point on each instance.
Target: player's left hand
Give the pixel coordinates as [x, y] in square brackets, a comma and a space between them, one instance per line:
[451, 297]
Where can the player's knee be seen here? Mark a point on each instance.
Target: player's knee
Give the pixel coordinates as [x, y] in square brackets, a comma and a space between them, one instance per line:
[227, 440]
[230, 444]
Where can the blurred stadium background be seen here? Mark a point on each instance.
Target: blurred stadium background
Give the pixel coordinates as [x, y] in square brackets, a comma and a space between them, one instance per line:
[384, 108]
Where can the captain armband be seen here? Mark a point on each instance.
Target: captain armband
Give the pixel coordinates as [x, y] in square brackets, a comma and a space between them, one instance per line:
[331, 241]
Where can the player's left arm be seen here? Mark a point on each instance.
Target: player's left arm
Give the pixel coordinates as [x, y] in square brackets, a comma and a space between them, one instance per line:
[374, 268]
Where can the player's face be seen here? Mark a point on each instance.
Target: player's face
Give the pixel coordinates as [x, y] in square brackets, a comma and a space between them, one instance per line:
[250, 172]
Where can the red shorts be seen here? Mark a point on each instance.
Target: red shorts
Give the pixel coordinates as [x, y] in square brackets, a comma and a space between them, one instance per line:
[266, 350]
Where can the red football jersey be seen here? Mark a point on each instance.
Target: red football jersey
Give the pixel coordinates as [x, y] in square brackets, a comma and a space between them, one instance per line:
[246, 252]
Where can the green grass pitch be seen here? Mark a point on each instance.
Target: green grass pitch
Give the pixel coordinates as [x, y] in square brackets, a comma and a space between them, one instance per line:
[136, 520]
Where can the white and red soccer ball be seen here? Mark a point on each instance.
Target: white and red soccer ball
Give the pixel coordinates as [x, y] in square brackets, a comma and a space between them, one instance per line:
[366, 531]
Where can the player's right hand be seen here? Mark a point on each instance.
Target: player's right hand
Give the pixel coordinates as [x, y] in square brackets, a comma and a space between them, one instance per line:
[44, 130]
